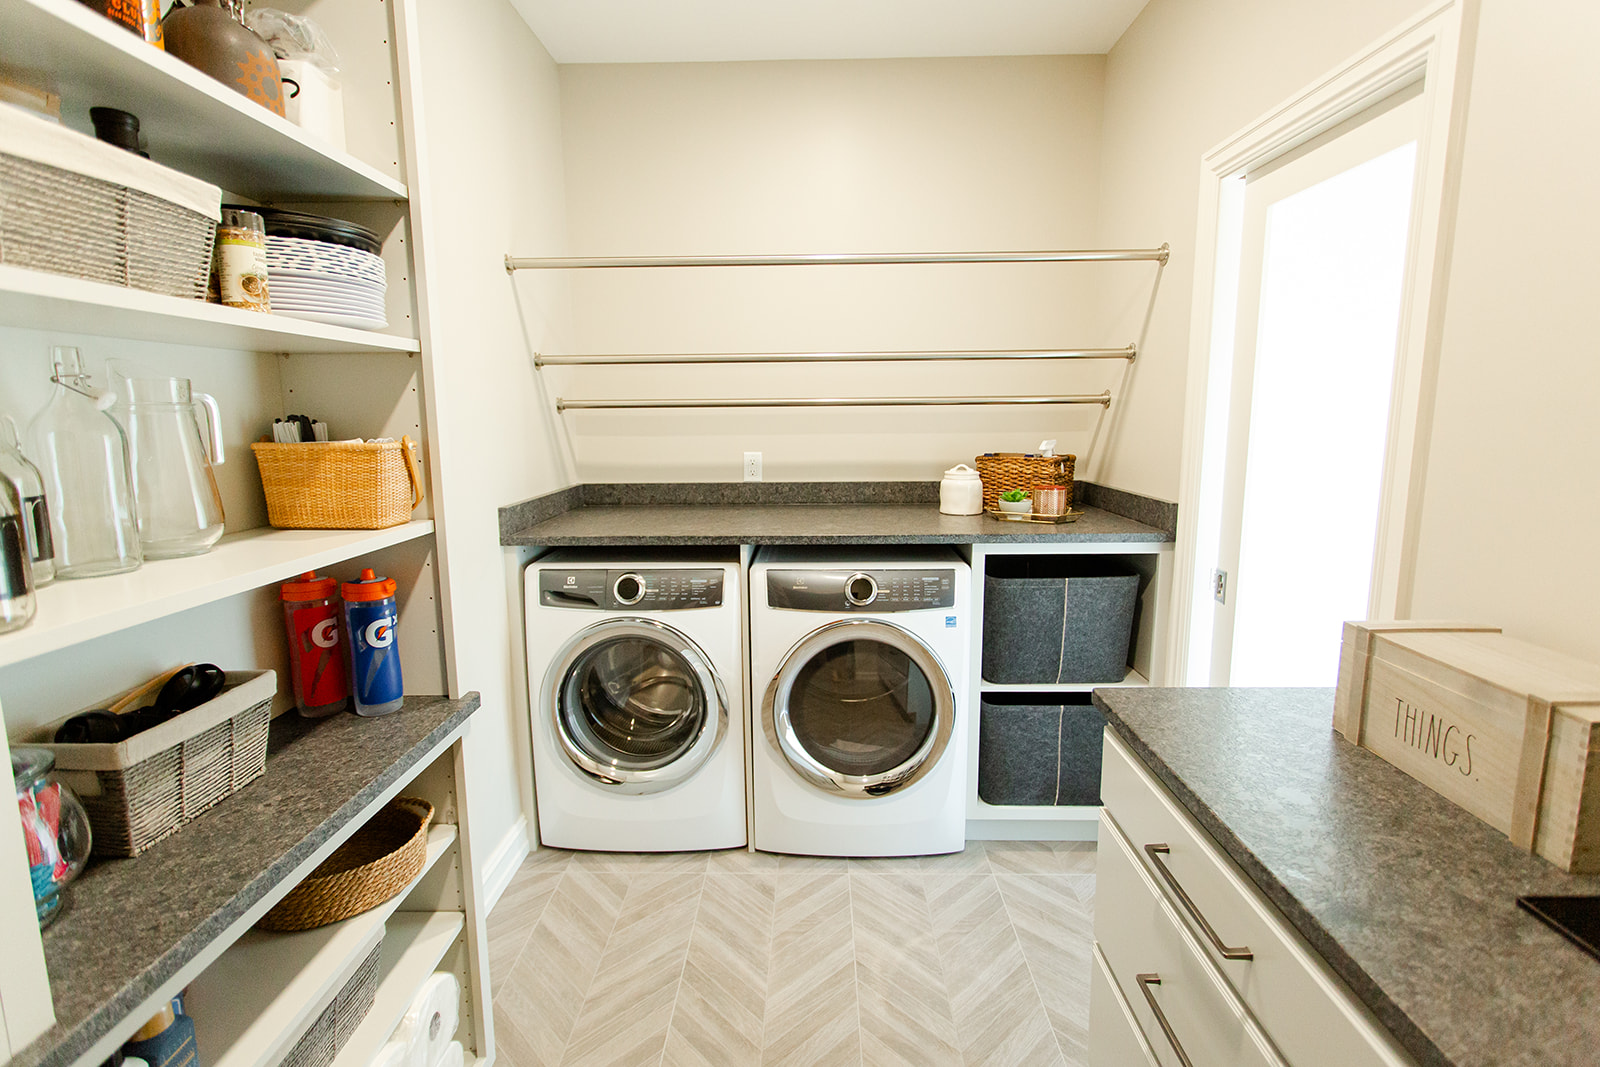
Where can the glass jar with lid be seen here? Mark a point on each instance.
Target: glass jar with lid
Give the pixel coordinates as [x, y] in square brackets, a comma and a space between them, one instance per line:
[55, 829]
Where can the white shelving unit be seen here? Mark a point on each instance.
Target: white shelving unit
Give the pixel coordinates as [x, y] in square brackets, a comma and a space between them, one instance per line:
[363, 383]
[1067, 822]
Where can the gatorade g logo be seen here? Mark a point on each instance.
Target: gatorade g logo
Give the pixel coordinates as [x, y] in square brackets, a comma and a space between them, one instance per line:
[325, 634]
[380, 632]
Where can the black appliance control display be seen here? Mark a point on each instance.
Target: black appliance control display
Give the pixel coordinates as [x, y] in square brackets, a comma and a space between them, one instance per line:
[908, 589]
[641, 589]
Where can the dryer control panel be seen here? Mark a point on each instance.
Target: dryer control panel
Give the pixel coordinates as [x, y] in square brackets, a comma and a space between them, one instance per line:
[623, 590]
[876, 591]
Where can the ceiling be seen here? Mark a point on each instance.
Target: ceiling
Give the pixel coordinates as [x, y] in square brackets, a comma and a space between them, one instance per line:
[692, 31]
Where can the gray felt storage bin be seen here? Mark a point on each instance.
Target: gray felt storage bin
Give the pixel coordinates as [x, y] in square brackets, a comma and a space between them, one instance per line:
[1039, 754]
[1057, 619]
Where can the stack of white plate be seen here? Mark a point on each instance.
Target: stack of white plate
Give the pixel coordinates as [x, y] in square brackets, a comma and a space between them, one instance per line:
[323, 282]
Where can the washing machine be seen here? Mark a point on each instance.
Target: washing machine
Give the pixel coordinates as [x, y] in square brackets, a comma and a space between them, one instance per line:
[858, 661]
[635, 671]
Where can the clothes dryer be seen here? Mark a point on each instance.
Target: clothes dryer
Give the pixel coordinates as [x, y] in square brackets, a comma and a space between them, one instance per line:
[635, 671]
[858, 665]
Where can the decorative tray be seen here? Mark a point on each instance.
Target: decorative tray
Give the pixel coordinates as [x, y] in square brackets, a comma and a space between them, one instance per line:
[1047, 520]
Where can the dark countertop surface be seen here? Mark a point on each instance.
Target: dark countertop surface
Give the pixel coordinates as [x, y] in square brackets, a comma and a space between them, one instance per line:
[131, 924]
[1411, 900]
[809, 524]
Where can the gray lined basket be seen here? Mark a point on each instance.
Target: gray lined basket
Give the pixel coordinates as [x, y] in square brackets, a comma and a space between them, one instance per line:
[321, 1042]
[147, 787]
[62, 222]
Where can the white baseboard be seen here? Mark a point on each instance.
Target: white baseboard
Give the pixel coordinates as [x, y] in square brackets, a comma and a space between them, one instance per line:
[503, 862]
[1032, 830]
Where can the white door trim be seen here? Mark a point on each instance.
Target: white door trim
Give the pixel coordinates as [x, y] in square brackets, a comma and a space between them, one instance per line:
[1433, 47]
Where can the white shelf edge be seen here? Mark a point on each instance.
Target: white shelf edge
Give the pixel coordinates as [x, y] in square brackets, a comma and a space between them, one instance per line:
[34, 299]
[71, 612]
[84, 23]
[249, 1013]
[979, 811]
[412, 949]
[1133, 679]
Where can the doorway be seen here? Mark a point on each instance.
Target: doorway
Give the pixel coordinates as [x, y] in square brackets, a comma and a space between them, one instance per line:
[1322, 246]
[1323, 235]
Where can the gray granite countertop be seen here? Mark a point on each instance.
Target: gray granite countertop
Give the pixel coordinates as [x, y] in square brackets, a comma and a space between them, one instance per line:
[1411, 900]
[131, 924]
[809, 524]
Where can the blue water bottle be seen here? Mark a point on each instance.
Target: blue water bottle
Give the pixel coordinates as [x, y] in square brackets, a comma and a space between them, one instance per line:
[370, 616]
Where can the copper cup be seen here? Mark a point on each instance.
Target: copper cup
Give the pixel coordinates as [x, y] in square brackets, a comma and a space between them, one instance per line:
[1050, 499]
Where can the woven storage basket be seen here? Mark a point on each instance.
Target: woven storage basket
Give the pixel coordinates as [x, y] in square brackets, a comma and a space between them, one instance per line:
[66, 223]
[1004, 471]
[320, 1044]
[147, 787]
[378, 861]
[339, 486]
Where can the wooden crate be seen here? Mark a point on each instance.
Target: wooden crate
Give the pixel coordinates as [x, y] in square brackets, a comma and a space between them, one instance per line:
[1505, 729]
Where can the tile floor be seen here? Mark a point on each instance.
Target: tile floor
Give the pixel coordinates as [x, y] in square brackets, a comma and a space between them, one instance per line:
[735, 958]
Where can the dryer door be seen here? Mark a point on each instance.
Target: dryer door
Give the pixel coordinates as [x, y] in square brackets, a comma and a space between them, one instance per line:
[635, 704]
[860, 708]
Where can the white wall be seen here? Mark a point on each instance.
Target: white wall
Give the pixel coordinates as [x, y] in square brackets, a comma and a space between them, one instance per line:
[877, 155]
[492, 144]
[1510, 518]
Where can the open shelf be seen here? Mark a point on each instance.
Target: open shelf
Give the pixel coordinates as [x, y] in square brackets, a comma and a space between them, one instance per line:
[36, 300]
[74, 611]
[1133, 678]
[191, 122]
[412, 949]
[254, 1002]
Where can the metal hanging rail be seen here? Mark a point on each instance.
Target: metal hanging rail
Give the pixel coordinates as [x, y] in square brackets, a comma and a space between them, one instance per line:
[1103, 399]
[849, 259]
[1129, 352]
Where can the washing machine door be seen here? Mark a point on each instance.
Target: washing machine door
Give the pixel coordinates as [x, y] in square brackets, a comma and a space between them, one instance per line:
[635, 704]
[860, 708]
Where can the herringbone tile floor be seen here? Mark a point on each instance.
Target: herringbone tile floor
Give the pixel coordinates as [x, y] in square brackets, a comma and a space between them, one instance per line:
[727, 959]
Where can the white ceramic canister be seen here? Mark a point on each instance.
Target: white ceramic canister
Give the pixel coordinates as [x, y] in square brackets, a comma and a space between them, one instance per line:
[961, 491]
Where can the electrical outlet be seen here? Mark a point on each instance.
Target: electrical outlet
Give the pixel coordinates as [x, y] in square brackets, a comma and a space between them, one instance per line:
[752, 466]
[1219, 586]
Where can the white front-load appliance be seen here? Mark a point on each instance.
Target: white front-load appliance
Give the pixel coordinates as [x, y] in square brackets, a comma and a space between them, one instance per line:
[635, 672]
[858, 662]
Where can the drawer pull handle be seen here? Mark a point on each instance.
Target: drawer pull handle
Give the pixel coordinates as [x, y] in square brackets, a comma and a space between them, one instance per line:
[1155, 852]
[1145, 982]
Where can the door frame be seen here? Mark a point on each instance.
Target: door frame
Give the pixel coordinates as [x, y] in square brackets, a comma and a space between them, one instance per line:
[1435, 48]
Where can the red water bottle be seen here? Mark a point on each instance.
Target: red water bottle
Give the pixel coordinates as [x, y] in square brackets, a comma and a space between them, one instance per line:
[316, 646]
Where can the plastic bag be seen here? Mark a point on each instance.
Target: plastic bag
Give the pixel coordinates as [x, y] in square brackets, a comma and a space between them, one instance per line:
[294, 37]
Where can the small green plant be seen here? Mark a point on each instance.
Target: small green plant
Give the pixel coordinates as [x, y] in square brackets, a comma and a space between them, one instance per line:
[1014, 495]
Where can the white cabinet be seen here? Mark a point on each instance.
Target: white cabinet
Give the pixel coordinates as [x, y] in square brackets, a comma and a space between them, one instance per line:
[1152, 561]
[1236, 983]
[94, 637]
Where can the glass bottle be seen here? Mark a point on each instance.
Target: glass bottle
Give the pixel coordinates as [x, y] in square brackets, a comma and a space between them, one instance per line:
[55, 828]
[17, 603]
[83, 457]
[25, 478]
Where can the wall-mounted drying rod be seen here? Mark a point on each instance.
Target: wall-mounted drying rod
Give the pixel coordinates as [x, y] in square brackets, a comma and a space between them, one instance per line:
[639, 359]
[1103, 399]
[848, 259]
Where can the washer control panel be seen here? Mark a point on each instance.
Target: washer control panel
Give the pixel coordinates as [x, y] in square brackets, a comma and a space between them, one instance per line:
[619, 590]
[868, 589]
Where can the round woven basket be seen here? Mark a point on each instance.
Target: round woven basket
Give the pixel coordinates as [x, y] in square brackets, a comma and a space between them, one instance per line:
[378, 861]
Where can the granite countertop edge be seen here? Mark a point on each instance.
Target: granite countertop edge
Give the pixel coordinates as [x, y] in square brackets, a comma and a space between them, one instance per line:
[94, 1026]
[1366, 989]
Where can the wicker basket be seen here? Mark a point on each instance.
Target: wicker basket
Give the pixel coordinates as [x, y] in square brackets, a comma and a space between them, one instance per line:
[320, 1044]
[66, 223]
[339, 486]
[378, 861]
[1004, 471]
[147, 787]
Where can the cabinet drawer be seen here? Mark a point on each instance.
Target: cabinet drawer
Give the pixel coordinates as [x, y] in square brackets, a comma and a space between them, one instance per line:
[1177, 998]
[1305, 1008]
[1114, 1036]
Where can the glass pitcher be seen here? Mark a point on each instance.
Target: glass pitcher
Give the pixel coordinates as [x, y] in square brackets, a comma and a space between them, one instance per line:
[83, 456]
[25, 478]
[174, 485]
